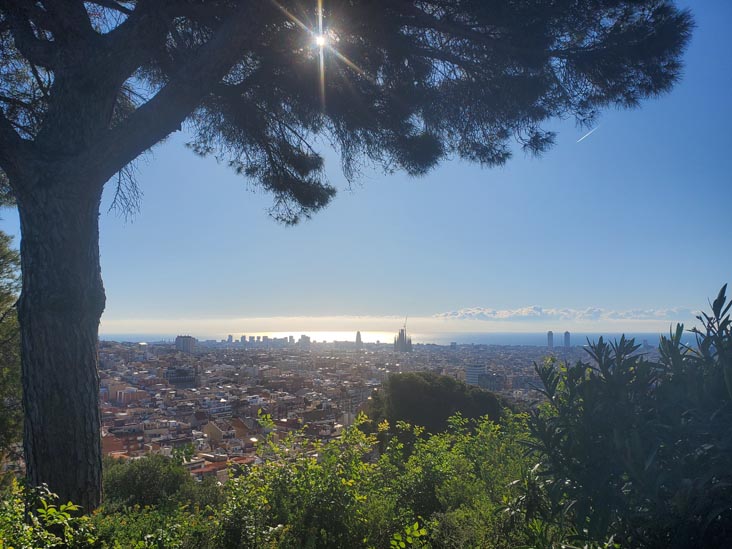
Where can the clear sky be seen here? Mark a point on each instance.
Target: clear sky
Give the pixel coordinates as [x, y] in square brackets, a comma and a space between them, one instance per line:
[628, 229]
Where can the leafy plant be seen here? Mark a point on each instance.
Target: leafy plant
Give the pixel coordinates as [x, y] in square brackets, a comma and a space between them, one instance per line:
[33, 519]
[152, 480]
[429, 400]
[640, 450]
[411, 536]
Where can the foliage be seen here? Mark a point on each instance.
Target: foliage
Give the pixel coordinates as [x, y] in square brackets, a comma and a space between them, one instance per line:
[11, 411]
[181, 455]
[341, 494]
[407, 83]
[446, 490]
[637, 449]
[155, 481]
[152, 528]
[429, 400]
[459, 481]
[33, 519]
[303, 496]
[409, 537]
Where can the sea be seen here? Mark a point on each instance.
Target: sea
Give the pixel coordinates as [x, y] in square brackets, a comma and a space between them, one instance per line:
[531, 339]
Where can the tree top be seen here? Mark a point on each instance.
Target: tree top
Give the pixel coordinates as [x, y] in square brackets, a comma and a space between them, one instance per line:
[260, 83]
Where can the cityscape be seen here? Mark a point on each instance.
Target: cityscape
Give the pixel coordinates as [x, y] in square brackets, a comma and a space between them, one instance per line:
[157, 397]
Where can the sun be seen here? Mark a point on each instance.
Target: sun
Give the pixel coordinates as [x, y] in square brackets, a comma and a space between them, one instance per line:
[325, 42]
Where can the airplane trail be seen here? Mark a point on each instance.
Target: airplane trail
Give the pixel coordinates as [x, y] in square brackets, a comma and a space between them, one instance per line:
[588, 134]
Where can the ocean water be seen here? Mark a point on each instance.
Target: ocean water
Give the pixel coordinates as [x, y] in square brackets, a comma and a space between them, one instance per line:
[535, 339]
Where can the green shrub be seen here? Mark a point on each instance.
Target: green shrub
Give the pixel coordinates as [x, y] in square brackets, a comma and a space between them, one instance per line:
[152, 480]
[152, 528]
[429, 400]
[640, 450]
[34, 519]
[302, 496]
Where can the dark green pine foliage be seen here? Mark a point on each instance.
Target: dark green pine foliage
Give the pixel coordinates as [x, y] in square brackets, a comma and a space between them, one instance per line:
[406, 83]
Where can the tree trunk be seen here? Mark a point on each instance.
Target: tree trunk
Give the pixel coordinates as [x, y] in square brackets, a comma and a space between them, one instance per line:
[59, 310]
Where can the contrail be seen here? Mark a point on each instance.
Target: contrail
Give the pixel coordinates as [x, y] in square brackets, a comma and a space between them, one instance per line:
[588, 134]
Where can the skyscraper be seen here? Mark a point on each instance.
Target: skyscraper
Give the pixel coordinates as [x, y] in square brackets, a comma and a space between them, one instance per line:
[359, 343]
[185, 344]
[473, 373]
[566, 339]
[550, 339]
[403, 343]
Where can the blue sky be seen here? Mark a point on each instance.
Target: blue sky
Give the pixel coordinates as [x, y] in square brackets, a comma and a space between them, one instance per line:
[628, 229]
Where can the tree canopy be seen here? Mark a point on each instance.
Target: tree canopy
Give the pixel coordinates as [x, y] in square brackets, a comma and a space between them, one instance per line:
[402, 83]
[429, 400]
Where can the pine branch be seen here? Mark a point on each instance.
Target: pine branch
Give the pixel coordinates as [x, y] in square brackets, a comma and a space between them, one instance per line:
[112, 5]
[36, 51]
[72, 20]
[11, 145]
[166, 111]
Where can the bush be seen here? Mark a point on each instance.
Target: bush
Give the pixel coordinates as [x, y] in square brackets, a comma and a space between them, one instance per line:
[304, 495]
[641, 450]
[341, 494]
[152, 528]
[429, 400]
[34, 519]
[152, 480]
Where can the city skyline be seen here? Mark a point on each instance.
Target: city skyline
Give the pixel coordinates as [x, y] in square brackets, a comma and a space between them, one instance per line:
[612, 220]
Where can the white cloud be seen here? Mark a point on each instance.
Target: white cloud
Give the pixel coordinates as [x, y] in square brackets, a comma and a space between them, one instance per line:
[589, 314]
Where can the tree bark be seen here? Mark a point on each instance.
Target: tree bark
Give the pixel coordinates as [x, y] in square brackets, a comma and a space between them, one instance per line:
[61, 302]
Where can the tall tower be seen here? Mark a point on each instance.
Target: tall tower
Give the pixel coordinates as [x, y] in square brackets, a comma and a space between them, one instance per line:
[359, 343]
[566, 339]
[402, 342]
[473, 373]
[550, 339]
[186, 344]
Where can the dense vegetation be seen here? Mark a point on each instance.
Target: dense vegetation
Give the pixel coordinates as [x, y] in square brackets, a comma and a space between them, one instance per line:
[643, 449]
[429, 400]
[625, 452]
[446, 490]
[11, 410]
